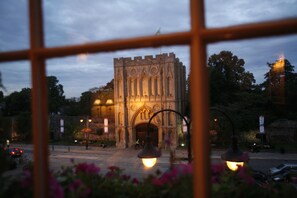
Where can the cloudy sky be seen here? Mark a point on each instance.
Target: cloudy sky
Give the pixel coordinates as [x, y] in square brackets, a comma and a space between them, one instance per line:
[68, 22]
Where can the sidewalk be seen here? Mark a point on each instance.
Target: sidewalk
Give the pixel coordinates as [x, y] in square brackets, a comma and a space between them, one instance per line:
[216, 154]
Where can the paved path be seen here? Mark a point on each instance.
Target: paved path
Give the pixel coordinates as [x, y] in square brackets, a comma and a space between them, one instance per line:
[125, 158]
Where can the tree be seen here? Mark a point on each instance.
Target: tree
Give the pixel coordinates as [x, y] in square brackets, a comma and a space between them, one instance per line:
[85, 103]
[227, 76]
[56, 99]
[18, 102]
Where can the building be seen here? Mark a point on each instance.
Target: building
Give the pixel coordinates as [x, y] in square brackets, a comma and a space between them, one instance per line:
[143, 86]
[102, 110]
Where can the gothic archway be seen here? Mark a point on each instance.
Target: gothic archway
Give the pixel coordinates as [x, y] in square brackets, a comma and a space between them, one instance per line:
[141, 131]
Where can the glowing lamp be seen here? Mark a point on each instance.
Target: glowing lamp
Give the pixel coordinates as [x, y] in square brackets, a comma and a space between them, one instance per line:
[149, 154]
[234, 165]
[149, 162]
[234, 157]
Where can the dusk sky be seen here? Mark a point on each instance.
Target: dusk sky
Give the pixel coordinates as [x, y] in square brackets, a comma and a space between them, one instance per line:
[68, 22]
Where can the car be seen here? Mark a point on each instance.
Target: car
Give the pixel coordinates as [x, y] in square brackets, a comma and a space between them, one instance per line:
[14, 152]
[289, 176]
[282, 168]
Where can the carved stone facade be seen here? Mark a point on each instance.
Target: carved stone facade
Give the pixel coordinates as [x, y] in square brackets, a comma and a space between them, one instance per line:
[143, 86]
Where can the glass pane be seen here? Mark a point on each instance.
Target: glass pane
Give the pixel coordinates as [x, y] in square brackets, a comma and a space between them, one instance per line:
[253, 96]
[73, 22]
[225, 13]
[89, 116]
[14, 25]
[15, 115]
[15, 76]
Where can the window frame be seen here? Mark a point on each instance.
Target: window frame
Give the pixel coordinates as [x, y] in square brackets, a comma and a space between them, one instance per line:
[197, 38]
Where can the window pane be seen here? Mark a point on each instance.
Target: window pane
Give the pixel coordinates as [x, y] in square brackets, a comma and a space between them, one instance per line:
[226, 13]
[14, 25]
[91, 117]
[253, 82]
[73, 22]
[15, 111]
[15, 76]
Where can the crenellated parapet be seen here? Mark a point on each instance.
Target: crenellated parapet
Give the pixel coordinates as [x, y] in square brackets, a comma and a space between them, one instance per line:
[147, 60]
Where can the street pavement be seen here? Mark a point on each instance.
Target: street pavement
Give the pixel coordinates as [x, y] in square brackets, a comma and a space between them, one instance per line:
[126, 159]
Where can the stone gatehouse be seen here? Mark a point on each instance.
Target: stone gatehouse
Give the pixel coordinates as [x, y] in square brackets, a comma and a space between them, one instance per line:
[143, 86]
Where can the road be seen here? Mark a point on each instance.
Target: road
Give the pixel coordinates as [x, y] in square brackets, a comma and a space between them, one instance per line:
[127, 159]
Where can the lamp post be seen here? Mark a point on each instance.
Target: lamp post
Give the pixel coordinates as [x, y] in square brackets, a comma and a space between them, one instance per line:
[149, 154]
[234, 157]
[86, 131]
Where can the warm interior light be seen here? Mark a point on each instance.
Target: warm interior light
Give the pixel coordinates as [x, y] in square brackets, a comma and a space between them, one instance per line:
[97, 102]
[109, 101]
[149, 162]
[90, 120]
[234, 165]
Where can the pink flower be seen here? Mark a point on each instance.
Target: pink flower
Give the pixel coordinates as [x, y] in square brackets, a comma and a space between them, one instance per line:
[75, 185]
[114, 168]
[110, 174]
[157, 182]
[87, 168]
[135, 181]
[218, 169]
[245, 176]
[79, 188]
[55, 188]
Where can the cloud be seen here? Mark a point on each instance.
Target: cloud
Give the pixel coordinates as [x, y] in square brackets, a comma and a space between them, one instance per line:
[230, 12]
[14, 29]
[70, 22]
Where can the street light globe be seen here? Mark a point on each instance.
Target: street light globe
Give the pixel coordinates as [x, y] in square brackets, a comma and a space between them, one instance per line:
[234, 165]
[149, 162]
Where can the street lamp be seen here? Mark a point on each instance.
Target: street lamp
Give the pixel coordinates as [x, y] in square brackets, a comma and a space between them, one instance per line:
[234, 157]
[149, 154]
[87, 130]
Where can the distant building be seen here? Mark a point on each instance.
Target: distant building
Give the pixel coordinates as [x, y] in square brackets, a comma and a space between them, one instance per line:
[143, 86]
[282, 131]
[103, 110]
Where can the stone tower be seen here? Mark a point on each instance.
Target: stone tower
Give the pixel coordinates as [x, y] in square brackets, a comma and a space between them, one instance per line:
[143, 86]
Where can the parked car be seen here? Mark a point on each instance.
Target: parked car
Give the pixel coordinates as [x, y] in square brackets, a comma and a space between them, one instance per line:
[282, 168]
[288, 176]
[14, 152]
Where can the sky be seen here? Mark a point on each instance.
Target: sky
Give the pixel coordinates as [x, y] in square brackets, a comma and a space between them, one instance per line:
[69, 22]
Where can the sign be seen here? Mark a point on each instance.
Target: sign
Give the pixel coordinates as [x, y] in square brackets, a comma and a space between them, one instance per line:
[261, 124]
[105, 125]
[185, 128]
[61, 126]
